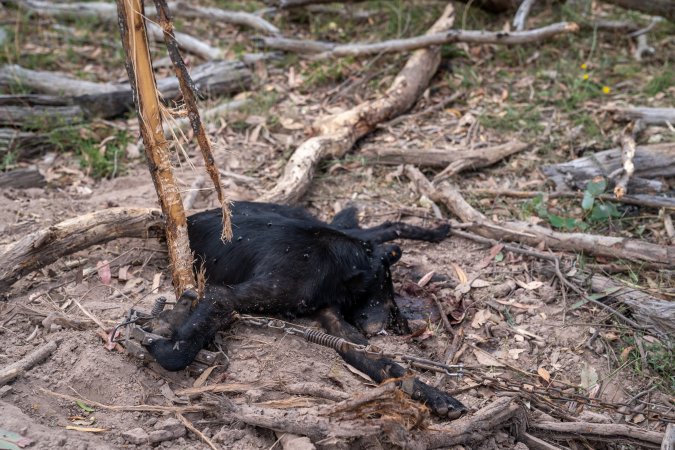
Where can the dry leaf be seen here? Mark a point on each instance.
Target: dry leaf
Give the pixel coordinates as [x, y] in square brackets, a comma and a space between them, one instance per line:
[589, 377]
[124, 273]
[494, 251]
[625, 352]
[480, 318]
[156, 281]
[531, 286]
[103, 269]
[514, 353]
[461, 275]
[290, 124]
[425, 279]
[486, 359]
[478, 283]
[199, 382]
[543, 373]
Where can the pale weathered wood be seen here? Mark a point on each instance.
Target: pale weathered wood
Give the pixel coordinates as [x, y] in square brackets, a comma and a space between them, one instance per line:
[12, 371]
[651, 162]
[109, 100]
[534, 235]
[23, 145]
[603, 432]
[105, 11]
[43, 247]
[22, 178]
[337, 134]
[321, 50]
[649, 116]
[461, 158]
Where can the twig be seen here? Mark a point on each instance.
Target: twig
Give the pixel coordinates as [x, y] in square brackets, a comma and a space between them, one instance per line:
[640, 200]
[444, 317]
[26, 363]
[195, 188]
[186, 9]
[199, 434]
[322, 50]
[188, 90]
[607, 432]
[146, 408]
[521, 14]
[628, 148]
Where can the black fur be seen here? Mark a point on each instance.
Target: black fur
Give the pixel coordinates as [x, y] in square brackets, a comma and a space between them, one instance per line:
[283, 261]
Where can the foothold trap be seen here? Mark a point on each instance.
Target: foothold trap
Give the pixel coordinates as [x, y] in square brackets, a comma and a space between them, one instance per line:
[138, 333]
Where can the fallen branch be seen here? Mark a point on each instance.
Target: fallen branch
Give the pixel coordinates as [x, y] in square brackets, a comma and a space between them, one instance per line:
[651, 162]
[45, 246]
[24, 145]
[26, 363]
[650, 201]
[39, 112]
[534, 235]
[109, 100]
[107, 12]
[628, 147]
[337, 134]
[456, 158]
[322, 50]
[650, 312]
[521, 14]
[22, 178]
[198, 433]
[474, 429]
[648, 116]
[604, 432]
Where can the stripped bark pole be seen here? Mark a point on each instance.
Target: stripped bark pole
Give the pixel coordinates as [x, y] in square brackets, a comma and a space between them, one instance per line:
[187, 87]
[142, 80]
[337, 134]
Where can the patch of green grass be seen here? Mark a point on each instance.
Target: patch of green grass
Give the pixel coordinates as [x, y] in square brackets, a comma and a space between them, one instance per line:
[660, 361]
[100, 160]
[8, 161]
[526, 121]
[660, 82]
[320, 73]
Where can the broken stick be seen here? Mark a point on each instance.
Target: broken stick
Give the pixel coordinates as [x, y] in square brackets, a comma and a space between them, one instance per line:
[337, 134]
[26, 363]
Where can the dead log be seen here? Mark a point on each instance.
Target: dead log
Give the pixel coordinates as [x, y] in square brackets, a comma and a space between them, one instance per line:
[474, 429]
[598, 432]
[43, 247]
[321, 50]
[26, 363]
[535, 235]
[648, 116]
[108, 12]
[650, 312]
[109, 100]
[22, 178]
[39, 112]
[23, 145]
[460, 158]
[337, 134]
[663, 8]
[651, 162]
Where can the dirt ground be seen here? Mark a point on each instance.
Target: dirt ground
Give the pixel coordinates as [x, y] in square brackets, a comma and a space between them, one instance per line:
[513, 312]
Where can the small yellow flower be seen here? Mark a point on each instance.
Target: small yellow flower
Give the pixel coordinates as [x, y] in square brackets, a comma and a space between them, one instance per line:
[585, 76]
[584, 66]
[606, 89]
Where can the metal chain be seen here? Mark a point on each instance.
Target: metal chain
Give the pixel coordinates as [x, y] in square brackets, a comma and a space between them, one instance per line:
[337, 343]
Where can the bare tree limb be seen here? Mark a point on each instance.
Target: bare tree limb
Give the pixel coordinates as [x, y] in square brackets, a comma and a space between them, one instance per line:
[14, 370]
[321, 50]
[107, 12]
[648, 116]
[521, 14]
[607, 246]
[628, 147]
[45, 246]
[337, 134]
[607, 432]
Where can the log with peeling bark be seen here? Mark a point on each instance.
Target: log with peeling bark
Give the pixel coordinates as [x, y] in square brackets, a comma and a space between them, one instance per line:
[39, 112]
[474, 429]
[337, 134]
[535, 235]
[109, 100]
[321, 50]
[148, 106]
[648, 116]
[23, 145]
[650, 312]
[597, 432]
[44, 247]
[459, 159]
[108, 12]
[22, 178]
[651, 163]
